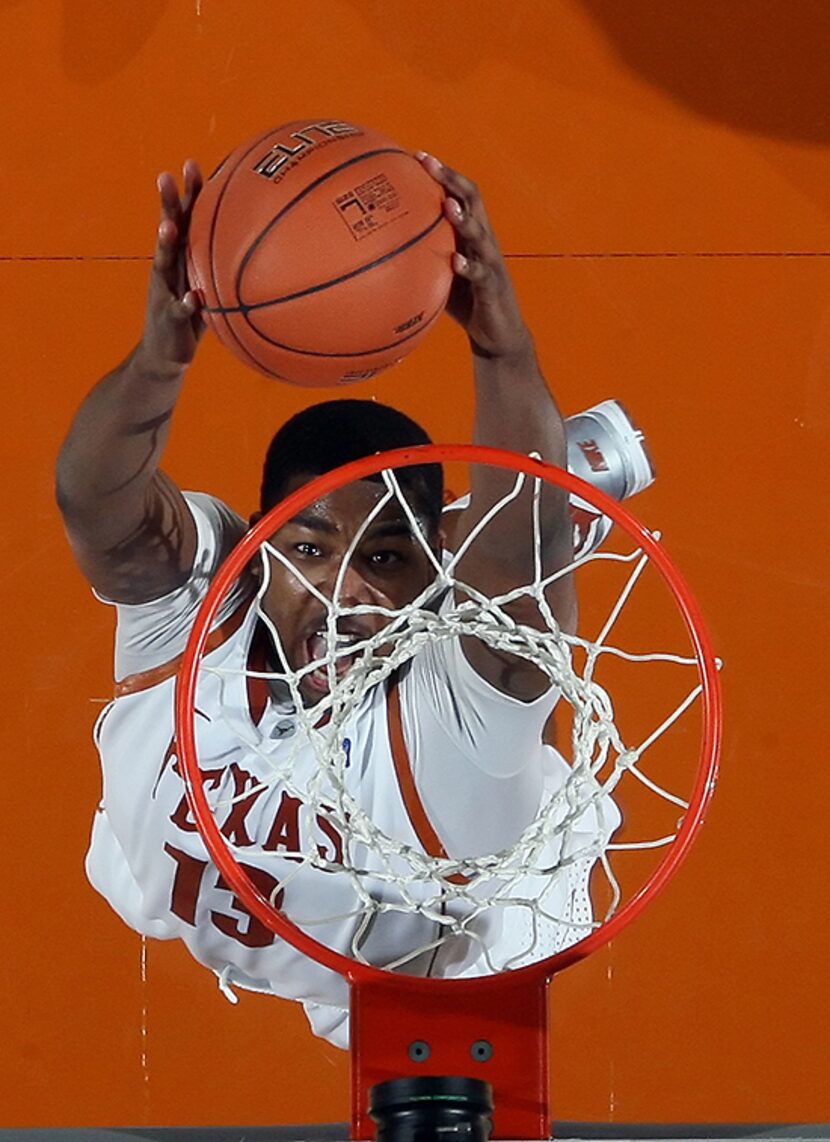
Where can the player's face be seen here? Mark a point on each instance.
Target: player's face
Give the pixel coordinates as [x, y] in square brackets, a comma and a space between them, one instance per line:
[387, 568]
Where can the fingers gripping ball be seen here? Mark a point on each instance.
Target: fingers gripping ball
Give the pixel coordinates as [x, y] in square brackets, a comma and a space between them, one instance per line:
[321, 252]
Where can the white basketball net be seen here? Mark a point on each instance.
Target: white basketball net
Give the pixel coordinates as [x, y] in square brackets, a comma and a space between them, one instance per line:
[455, 916]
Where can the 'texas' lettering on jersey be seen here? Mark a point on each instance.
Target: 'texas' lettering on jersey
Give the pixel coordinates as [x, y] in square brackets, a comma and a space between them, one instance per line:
[283, 836]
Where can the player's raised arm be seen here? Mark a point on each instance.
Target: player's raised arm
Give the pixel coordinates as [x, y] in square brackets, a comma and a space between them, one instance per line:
[129, 527]
[514, 410]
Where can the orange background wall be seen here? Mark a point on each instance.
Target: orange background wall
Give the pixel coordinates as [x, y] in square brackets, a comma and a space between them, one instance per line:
[660, 178]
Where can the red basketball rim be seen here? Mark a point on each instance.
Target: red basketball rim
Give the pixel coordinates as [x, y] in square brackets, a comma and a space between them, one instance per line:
[707, 668]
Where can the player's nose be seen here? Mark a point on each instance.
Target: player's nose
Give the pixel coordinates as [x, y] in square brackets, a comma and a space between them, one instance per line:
[350, 587]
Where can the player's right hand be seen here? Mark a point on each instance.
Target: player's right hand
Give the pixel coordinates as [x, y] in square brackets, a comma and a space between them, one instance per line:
[173, 323]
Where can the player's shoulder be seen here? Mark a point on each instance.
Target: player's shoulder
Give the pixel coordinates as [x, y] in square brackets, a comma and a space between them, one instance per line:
[218, 527]
[214, 514]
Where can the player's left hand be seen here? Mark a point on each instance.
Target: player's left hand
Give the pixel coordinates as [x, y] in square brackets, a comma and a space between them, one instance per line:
[482, 299]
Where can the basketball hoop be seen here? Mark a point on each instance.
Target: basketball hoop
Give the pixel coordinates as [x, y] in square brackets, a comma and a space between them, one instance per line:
[491, 1023]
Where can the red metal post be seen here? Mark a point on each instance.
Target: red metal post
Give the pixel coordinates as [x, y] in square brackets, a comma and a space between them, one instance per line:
[493, 1028]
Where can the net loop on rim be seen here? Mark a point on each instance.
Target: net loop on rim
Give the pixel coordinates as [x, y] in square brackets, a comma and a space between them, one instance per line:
[454, 913]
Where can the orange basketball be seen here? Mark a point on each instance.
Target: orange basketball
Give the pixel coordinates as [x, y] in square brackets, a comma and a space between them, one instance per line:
[321, 252]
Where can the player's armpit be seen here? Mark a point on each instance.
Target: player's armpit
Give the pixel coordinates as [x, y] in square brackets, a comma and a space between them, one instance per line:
[509, 673]
[503, 563]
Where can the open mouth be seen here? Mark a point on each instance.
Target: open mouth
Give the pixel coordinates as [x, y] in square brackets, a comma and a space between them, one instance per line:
[333, 655]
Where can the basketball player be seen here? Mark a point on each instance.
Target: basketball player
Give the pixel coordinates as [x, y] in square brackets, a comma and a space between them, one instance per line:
[471, 717]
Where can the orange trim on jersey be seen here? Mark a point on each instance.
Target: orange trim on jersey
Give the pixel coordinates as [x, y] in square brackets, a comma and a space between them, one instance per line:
[406, 782]
[135, 683]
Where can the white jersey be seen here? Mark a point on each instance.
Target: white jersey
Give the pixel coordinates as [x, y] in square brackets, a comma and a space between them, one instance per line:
[479, 769]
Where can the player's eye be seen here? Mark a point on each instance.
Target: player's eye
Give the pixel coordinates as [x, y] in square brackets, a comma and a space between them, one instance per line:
[388, 558]
[307, 548]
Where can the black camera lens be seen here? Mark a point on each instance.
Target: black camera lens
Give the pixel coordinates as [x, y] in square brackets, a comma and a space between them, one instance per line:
[431, 1108]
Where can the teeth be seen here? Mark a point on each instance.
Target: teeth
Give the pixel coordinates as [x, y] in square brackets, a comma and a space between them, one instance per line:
[339, 639]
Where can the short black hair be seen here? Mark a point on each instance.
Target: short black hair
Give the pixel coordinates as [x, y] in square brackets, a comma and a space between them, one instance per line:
[324, 436]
